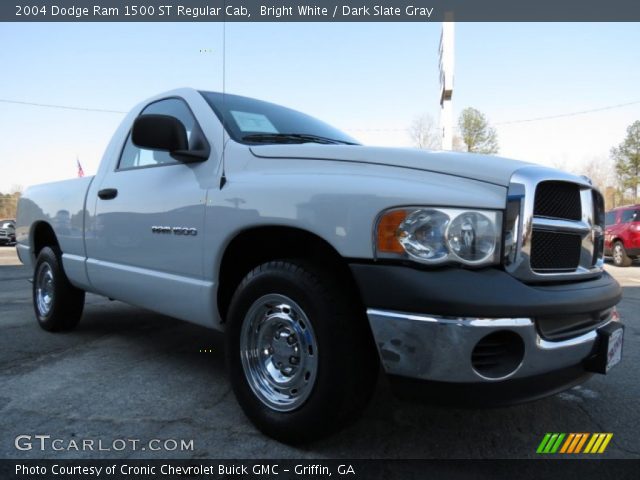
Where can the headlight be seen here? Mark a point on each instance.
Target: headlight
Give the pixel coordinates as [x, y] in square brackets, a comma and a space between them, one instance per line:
[437, 235]
[422, 235]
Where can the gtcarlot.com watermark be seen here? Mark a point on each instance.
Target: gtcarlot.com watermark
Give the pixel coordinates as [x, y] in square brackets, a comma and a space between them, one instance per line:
[47, 443]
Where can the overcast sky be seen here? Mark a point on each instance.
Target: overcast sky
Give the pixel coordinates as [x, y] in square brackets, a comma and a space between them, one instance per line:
[369, 79]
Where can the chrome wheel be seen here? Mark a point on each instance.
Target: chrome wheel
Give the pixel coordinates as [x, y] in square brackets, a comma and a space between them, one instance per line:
[279, 352]
[44, 289]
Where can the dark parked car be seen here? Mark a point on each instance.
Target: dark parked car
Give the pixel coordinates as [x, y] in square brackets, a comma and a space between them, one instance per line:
[7, 232]
[622, 234]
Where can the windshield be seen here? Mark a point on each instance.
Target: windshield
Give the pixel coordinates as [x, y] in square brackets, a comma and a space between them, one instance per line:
[253, 122]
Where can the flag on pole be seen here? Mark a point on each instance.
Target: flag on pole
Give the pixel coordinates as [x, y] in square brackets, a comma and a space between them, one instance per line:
[80, 170]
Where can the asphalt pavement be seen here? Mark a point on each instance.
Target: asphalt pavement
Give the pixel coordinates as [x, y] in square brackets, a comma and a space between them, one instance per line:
[126, 374]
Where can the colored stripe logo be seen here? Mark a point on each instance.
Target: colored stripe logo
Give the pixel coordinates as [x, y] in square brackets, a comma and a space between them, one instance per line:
[574, 443]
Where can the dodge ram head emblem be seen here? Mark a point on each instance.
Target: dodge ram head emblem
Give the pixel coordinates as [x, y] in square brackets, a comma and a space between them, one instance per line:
[186, 231]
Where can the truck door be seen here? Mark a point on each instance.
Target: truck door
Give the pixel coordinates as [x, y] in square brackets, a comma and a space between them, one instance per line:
[145, 243]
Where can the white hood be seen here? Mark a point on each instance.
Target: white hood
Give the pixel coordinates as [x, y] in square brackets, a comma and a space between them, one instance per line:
[486, 168]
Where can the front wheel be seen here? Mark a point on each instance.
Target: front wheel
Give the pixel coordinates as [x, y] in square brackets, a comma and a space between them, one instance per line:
[58, 304]
[620, 257]
[301, 358]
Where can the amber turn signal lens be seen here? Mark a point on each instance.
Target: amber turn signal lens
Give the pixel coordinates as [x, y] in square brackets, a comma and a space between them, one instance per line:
[387, 228]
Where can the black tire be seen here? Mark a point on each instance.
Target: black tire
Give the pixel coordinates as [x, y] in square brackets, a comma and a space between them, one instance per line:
[346, 359]
[620, 257]
[58, 305]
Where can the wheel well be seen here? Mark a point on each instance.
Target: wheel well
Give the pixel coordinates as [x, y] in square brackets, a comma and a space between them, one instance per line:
[253, 247]
[43, 236]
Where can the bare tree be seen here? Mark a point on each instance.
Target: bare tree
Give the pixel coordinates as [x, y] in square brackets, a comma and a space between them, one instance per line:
[458, 144]
[7, 206]
[9, 202]
[600, 171]
[424, 133]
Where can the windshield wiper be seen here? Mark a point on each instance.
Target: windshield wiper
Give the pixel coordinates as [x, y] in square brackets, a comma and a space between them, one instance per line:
[292, 138]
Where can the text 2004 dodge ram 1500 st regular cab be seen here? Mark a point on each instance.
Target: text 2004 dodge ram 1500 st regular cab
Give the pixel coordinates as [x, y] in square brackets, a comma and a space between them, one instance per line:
[320, 258]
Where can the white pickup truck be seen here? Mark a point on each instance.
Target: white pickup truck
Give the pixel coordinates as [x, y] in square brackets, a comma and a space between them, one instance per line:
[321, 258]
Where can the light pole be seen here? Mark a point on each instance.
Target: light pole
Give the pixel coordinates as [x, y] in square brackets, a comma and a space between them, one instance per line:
[446, 81]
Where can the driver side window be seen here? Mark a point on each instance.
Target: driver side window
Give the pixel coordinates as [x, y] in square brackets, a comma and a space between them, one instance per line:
[629, 216]
[136, 157]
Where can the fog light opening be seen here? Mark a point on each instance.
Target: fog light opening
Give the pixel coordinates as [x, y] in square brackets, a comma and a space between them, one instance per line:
[498, 355]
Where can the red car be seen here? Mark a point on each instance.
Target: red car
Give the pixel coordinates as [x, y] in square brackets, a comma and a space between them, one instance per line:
[622, 234]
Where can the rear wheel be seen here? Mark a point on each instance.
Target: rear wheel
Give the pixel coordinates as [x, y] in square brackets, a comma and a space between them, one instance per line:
[301, 359]
[620, 257]
[58, 304]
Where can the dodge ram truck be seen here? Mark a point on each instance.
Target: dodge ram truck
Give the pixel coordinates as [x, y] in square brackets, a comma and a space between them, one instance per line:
[465, 276]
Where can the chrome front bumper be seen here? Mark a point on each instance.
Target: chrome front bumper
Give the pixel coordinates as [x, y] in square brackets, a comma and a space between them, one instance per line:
[436, 348]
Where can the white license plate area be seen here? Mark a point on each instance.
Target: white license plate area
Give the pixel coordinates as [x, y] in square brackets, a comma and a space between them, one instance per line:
[614, 348]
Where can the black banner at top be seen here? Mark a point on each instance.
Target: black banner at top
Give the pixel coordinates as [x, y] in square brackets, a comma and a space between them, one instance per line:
[319, 10]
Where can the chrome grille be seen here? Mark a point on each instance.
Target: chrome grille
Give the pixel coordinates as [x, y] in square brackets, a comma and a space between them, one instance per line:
[554, 226]
[554, 252]
[558, 200]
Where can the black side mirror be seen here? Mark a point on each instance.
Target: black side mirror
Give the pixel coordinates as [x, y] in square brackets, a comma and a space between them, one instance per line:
[159, 132]
[167, 133]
